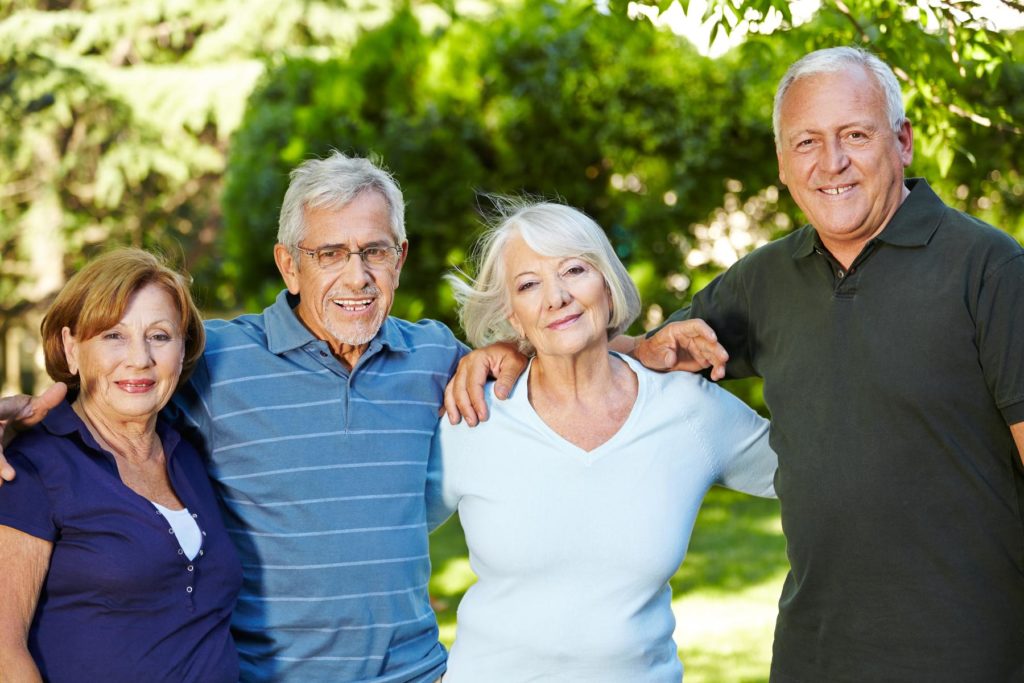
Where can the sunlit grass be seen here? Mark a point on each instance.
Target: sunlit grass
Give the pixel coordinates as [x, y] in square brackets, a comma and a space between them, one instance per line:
[726, 592]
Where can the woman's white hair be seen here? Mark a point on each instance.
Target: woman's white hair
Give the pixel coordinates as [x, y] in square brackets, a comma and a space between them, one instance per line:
[333, 183]
[550, 229]
[832, 60]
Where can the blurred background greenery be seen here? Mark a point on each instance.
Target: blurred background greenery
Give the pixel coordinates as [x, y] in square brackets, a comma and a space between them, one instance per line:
[172, 125]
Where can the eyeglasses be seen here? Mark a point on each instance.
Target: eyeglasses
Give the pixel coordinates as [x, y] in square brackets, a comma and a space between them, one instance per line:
[335, 258]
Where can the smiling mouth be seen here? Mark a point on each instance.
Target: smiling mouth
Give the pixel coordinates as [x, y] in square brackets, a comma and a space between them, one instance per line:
[353, 305]
[836, 191]
[563, 322]
[135, 385]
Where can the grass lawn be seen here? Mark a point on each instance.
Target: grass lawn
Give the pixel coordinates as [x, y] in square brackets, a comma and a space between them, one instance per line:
[725, 592]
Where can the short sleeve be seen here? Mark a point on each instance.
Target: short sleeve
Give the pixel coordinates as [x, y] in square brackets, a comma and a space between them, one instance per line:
[739, 438]
[24, 503]
[439, 506]
[1000, 334]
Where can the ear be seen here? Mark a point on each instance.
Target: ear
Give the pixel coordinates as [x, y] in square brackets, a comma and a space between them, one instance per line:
[288, 266]
[782, 169]
[70, 349]
[401, 262]
[905, 143]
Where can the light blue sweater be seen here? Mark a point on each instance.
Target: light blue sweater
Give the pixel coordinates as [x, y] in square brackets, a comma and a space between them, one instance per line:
[574, 549]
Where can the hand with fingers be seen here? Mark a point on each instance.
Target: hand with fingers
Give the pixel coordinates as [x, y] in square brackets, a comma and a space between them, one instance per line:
[18, 412]
[689, 345]
[464, 395]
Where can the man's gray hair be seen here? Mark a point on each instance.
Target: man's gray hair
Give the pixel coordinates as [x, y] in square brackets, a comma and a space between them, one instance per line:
[551, 230]
[831, 60]
[332, 183]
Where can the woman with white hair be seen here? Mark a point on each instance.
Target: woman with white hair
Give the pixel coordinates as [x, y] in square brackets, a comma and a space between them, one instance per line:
[579, 494]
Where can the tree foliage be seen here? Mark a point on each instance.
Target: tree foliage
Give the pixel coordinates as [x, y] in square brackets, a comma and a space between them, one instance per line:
[136, 122]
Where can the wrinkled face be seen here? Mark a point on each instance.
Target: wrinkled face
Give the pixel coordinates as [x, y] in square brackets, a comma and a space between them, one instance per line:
[560, 304]
[345, 304]
[129, 372]
[840, 158]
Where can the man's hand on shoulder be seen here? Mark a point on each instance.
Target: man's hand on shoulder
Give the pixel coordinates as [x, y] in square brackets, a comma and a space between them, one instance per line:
[689, 345]
[17, 412]
[464, 395]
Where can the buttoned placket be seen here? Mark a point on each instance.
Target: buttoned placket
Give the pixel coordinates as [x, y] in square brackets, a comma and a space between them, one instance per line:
[188, 565]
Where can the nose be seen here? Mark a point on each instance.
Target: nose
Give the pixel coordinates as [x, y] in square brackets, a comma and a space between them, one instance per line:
[354, 272]
[139, 353]
[556, 294]
[835, 160]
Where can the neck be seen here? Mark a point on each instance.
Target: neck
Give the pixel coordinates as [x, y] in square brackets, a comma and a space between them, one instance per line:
[847, 252]
[348, 354]
[135, 440]
[585, 375]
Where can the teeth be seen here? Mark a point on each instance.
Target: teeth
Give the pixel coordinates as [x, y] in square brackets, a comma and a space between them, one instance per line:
[836, 190]
[353, 305]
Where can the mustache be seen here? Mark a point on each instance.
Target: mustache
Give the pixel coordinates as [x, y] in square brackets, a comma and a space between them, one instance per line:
[368, 291]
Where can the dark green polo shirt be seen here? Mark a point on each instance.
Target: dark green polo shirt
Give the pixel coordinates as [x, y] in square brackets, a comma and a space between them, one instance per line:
[891, 388]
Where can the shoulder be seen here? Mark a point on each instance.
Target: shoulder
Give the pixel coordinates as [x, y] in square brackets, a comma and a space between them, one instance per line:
[768, 259]
[422, 331]
[427, 339]
[45, 456]
[245, 329]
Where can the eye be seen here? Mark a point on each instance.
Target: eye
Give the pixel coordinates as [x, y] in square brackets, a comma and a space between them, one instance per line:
[161, 337]
[525, 286]
[375, 254]
[111, 335]
[575, 269]
[804, 143]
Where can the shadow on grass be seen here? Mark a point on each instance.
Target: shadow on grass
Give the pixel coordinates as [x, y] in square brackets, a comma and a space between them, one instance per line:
[737, 543]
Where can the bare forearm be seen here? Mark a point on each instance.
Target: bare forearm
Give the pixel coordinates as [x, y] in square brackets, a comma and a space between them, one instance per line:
[26, 560]
[1018, 436]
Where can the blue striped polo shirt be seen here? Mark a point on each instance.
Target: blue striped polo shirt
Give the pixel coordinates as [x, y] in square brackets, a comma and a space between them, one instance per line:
[321, 474]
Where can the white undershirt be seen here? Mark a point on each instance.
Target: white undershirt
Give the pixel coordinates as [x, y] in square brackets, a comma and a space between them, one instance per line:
[186, 529]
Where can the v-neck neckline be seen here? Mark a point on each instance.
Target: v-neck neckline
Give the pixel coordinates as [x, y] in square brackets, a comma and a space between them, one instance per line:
[521, 399]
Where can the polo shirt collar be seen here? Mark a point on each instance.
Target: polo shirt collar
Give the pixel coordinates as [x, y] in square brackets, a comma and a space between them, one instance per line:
[913, 224]
[285, 332]
[64, 421]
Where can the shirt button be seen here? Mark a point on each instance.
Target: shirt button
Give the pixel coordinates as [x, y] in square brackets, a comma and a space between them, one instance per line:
[841, 274]
[180, 551]
[195, 516]
[190, 567]
[189, 589]
[170, 531]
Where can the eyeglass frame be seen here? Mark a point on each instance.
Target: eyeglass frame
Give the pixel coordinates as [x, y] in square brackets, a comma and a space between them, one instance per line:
[314, 254]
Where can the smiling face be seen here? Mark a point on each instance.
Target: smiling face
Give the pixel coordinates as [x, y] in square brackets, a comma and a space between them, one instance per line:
[344, 306]
[129, 371]
[840, 158]
[560, 304]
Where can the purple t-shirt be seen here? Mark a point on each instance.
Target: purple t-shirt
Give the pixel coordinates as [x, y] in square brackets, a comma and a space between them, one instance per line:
[121, 602]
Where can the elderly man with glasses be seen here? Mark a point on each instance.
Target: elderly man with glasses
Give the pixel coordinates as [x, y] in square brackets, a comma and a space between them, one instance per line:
[317, 416]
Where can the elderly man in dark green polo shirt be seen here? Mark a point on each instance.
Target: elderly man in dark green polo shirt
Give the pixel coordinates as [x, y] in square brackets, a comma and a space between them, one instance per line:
[890, 335]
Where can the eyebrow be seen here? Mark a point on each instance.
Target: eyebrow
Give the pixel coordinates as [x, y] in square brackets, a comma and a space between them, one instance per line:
[375, 243]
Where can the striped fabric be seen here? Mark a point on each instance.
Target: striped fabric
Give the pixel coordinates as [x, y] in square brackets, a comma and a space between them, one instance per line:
[321, 474]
